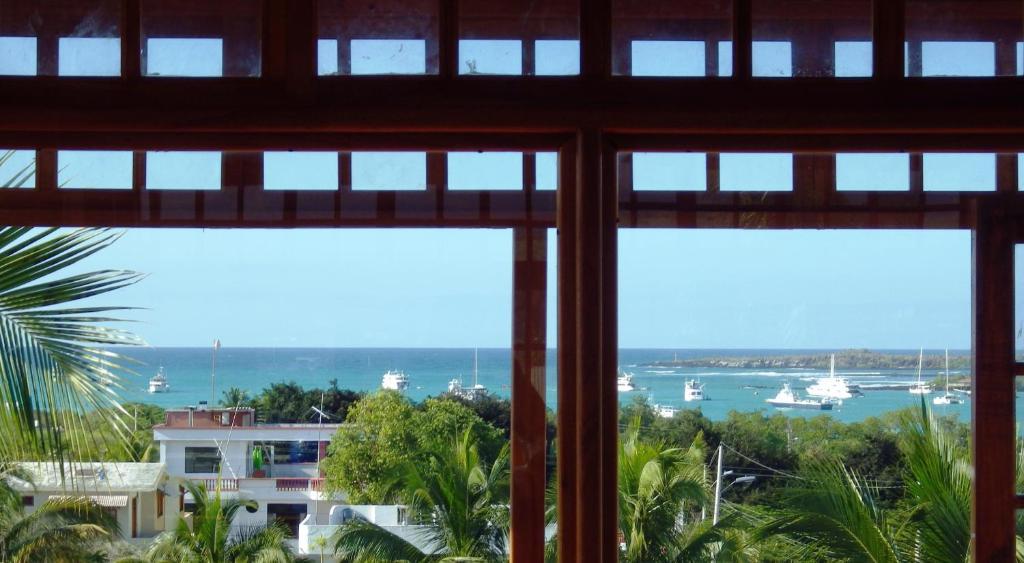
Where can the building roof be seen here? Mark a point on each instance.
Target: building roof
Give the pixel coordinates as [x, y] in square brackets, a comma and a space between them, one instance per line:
[92, 477]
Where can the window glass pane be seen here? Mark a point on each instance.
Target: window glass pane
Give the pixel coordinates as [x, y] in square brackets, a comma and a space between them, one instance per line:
[327, 57]
[557, 57]
[202, 460]
[94, 169]
[89, 56]
[185, 57]
[547, 170]
[670, 171]
[670, 38]
[18, 56]
[17, 168]
[756, 172]
[725, 58]
[300, 170]
[485, 171]
[183, 170]
[389, 171]
[492, 36]
[370, 37]
[958, 58]
[853, 58]
[957, 38]
[200, 38]
[668, 58]
[389, 56]
[959, 172]
[881, 172]
[490, 56]
[773, 58]
[1020, 58]
[809, 26]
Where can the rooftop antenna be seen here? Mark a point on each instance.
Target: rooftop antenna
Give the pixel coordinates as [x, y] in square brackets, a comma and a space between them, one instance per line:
[321, 415]
[213, 373]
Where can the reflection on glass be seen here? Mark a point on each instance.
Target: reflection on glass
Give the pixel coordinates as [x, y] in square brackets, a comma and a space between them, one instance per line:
[89, 56]
[490, 56]
[670, 171]
[772, 59]
[18, 56]
[389, 56]
[557, 57]
[958, 58]
[295, 170]
[17, 168]
[389, 171]
[184, 57]
[853, 58]
[876, 172]
[183, 170]
[94, 169]
[762, 172]
[547, 170]
[959, 172]
[668, 58]
[485, 171]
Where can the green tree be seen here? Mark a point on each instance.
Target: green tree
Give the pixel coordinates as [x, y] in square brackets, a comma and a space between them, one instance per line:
[378, 437]
[211, 539]
[55, 362]
[65, 530]
[440, 420]
[462, 501]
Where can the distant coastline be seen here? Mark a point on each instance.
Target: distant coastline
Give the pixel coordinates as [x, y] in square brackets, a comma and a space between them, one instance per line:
[845, 359]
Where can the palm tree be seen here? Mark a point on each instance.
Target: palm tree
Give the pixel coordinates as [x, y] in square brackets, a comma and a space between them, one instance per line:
[834, 512]
[54, 367]
[235, 397]
[462, 501]
[60, 530]
[212, 539]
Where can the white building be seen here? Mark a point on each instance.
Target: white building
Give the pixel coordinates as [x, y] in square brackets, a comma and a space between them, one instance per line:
[134, 492]
[203, 445]
[317, 538]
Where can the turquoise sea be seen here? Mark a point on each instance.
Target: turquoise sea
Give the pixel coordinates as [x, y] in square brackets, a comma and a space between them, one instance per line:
[189, 373]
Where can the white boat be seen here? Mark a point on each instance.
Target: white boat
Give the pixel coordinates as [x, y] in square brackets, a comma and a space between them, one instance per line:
[625, 382]
[477, 391]
[665, 411]
[920, 388]
[394, 380]
[693, 391]
[832, 387]
[788, 399]
[158, 383]
[947, 398]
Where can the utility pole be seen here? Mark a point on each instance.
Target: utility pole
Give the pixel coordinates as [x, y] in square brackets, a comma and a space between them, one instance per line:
[718, 486]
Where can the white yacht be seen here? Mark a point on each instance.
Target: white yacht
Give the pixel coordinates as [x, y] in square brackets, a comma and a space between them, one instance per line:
[625, 382]
[788, 399]
[693, 391]
[665, 411]
[395, 380]
[832, 387]
[920, 388]
[158, 383]
[456, 388]
[947, 398]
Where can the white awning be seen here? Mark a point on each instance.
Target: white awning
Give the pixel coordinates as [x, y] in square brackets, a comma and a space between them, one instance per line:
[107, 501]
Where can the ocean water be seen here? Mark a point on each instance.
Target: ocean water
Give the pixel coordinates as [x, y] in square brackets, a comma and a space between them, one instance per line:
[189, 373]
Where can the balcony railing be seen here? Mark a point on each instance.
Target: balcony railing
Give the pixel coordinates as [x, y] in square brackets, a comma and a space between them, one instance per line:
[211, 484]
[300, 485]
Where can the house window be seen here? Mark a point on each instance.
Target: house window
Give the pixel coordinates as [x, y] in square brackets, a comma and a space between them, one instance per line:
[160, 496]
[202, 460]
[28, 500]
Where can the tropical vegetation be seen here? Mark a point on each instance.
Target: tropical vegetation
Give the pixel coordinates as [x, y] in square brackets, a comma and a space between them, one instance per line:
[211, 536]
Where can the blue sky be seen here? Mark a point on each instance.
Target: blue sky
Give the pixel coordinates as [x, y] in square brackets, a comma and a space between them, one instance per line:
[681, 288]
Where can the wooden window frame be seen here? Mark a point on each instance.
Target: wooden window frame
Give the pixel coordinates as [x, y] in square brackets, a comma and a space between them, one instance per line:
[589, 120]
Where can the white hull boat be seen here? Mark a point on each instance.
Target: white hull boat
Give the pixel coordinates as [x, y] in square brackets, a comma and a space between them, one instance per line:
[158, 383]
[947, 398]
[693, 391]
[787, 399]
[395, 381]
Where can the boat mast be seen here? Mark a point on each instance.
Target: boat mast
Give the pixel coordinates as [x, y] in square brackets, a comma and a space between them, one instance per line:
[920, 362]
[947, 371]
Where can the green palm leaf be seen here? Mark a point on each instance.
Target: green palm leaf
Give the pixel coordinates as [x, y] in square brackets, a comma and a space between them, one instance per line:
[54, 361]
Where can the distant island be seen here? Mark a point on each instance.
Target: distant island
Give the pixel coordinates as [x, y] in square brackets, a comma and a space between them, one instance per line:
[845, 359]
